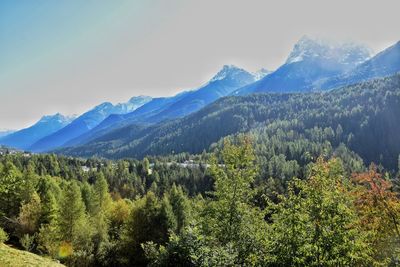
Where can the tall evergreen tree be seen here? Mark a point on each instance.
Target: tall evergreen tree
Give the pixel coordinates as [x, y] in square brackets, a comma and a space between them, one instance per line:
[74, 227]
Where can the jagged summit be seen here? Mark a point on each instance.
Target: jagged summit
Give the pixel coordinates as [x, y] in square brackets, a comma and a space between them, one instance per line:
[230, 72]
[103, 106]
[140, 99]
[56, 117]
[346, 53]
[261, 73]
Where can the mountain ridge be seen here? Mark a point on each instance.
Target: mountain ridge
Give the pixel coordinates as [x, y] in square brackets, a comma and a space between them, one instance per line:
[221, 84]
[236, 114]
[46, 125]
[84, 123]
[309, 61]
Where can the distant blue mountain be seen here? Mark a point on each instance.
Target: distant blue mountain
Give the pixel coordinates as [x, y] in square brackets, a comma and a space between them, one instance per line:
[310, 61]
[228, 79]
[382, 64]
[139, 115]
[24, 138]
[5, 132]
[258, 75]
[86, 122]
[222, 84]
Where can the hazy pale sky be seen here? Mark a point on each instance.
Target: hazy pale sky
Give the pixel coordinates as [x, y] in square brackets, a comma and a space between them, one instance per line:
[70, 55]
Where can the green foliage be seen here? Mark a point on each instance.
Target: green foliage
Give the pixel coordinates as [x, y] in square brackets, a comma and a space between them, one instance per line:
[49, 239]
[102, 199]
[74, 227]
[180, 206]
[3, 236]
[236, 224]
[316, 223]
[244, 209]
[30, 215]
[11, 189]
[150, 220]
[233, 190]
[27, 242]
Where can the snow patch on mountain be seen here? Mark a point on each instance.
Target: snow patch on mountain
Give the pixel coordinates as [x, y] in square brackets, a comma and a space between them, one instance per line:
[229, 72]
[349, 53]
[258, 75]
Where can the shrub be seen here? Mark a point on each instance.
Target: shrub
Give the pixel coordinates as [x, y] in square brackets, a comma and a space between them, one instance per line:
[3, 236]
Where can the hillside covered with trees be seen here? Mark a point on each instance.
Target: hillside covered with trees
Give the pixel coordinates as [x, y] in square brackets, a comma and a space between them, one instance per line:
[281, 180]
[363, 118]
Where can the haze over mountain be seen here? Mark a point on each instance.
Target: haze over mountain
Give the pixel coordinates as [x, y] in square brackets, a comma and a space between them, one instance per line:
[310, 61]
[24, 138]
[382, 64]
[85, 122]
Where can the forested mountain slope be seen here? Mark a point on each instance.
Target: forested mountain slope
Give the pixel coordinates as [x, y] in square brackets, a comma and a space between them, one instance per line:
[365, 117]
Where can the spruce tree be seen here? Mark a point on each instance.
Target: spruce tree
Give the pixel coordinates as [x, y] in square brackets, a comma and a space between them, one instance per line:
[73, 223]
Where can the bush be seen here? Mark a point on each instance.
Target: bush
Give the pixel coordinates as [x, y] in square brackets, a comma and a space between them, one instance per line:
[27, 242]
[3, 236]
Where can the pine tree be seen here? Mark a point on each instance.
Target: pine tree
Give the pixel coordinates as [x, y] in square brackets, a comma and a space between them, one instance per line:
[88, 197]
[73, 224]
[102, 197]
[102, 205]
[180, 206]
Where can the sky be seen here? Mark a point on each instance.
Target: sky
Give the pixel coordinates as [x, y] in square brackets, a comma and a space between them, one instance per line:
[69, 55]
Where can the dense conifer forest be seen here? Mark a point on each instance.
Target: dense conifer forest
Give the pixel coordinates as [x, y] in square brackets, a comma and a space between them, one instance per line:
[362, 118]
[282, 180]
[233, 207]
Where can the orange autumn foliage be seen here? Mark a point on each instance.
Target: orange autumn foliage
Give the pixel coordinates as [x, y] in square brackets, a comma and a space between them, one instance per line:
[378, 207]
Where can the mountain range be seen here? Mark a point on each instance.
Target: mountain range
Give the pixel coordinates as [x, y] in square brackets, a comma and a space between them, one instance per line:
[313, 65]
[228, 79]
[367, 112]
[47, 125]
[85, 122]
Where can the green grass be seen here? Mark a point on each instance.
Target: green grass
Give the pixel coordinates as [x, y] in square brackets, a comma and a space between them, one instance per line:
[10, 257]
